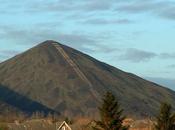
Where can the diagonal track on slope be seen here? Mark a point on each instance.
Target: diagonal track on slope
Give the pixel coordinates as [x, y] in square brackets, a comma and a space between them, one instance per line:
[76, 69]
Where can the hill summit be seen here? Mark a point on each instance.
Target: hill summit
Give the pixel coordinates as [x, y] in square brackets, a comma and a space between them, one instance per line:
[68, 81]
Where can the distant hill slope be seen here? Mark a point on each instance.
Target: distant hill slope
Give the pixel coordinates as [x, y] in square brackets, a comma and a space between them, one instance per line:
[170, 83]
[66, 80]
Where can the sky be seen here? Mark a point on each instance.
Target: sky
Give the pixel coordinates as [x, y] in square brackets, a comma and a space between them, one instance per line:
[136, 36]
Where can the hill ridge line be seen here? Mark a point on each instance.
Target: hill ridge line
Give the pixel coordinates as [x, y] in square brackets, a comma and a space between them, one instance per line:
[76, 69]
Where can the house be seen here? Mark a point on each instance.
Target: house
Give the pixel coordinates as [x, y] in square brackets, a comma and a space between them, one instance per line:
[63, 126]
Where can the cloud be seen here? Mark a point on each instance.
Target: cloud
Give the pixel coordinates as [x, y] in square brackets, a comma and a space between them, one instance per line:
[98, 5]
[167, 55]
[30, 36]
[105, 22]
[139, 6]
[168, 11]
[135, 55]
[76, 40]
[60, 6]
[163, 9]
[171, 66]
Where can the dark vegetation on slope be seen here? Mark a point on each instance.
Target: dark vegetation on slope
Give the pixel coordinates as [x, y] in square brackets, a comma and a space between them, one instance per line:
[21, 103]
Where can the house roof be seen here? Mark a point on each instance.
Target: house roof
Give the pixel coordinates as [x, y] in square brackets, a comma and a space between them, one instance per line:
[63, 124]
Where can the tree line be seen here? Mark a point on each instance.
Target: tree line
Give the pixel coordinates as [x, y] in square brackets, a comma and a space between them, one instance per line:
[111, 116]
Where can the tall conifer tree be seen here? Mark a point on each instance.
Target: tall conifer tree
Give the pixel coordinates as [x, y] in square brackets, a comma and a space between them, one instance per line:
[165, 119]
[111, 114]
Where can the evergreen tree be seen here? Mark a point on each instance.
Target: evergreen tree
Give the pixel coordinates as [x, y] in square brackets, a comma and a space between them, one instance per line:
[165, 119]
[68, 121]
[111, 114]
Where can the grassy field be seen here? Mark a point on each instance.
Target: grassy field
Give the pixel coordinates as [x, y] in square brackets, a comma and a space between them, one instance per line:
[78, 124]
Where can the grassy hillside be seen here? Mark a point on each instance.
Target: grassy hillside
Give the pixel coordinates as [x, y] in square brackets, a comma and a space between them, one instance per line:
[42, 74]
